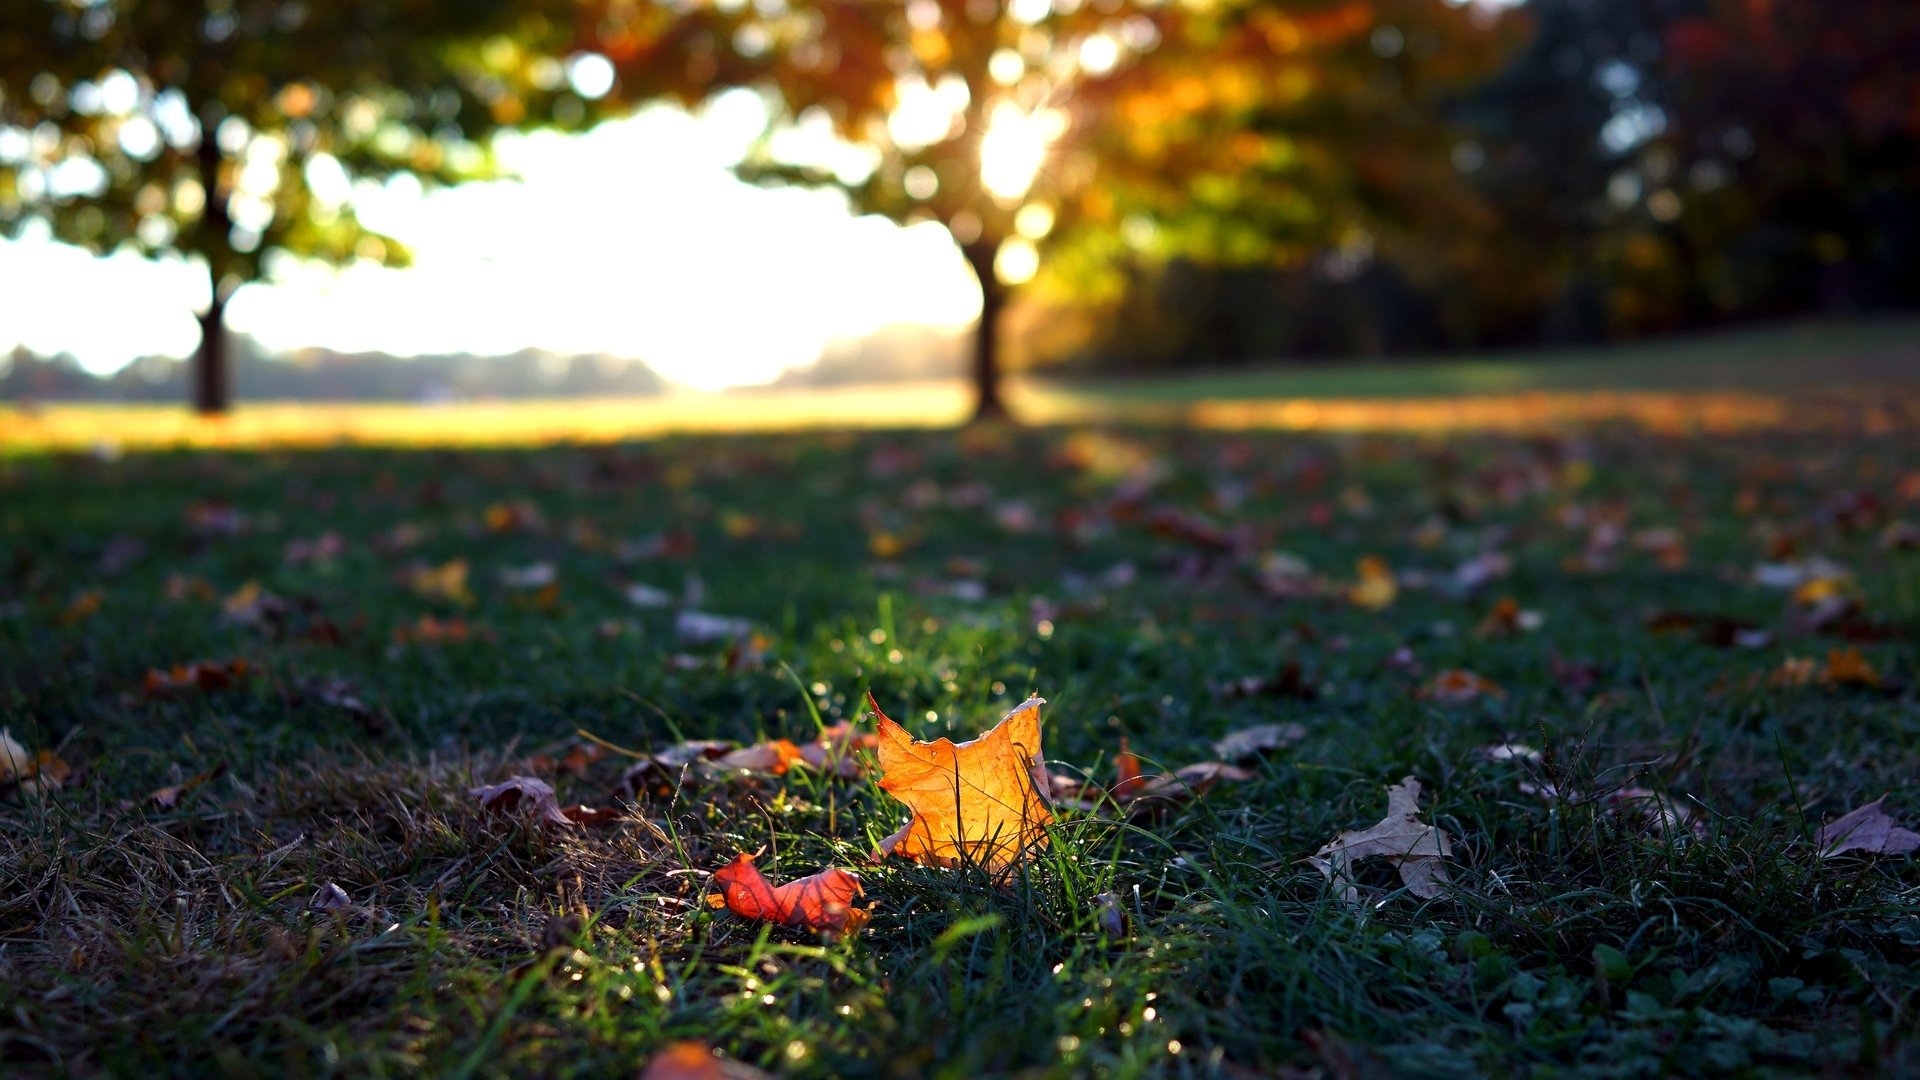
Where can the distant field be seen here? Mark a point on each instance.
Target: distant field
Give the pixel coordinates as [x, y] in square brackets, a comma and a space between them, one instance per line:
[1780, 376]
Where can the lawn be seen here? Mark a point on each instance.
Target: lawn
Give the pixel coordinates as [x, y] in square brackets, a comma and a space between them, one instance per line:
[1691, 650]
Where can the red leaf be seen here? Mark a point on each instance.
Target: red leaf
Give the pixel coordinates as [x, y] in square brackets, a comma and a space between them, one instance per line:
[822, 901]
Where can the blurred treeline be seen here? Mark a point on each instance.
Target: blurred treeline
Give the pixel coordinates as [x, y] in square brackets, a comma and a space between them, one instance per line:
[321, 375]
[1640, 167]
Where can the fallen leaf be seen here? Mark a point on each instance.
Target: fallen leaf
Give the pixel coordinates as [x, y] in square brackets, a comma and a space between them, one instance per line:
[1290, 682]
[431, 631]
[1254, 741]
[169, 797]
[642, 595]
[1110, 915]
[775, 757]
[836, 749]
[1846, 667]
[445, 582]
[1794, 671]
[694, 1061]
[330, 897]
[978, 801]
[83, 607]
[822, 901]
[1457, 685]
[1508, 617]
[700, 627]
[1376, 588]
[16, 762]
[537, 575]
[1868, 829]
[1416, 848]
[507, 795]
[202, 675]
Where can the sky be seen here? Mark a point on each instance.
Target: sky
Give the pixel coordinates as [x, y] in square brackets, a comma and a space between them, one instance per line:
[632, 239]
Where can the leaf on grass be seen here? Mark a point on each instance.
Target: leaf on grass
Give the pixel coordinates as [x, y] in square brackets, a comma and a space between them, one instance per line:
[202, 675]
[774, 757]
[1146, 794]
[16, 761]
[1846, 667]
[1868, 829]
[1458, 685]
[431, 631]
[980, 801]
[29, 772]
[169, 797]
[822, 901]
[507, 795]
[1376, 588]
[836, 750]
[447, 581]
[1418, 849]
[330, 897]
[83, 607]
[694, 1061]
[701, 627]
[1254, 741]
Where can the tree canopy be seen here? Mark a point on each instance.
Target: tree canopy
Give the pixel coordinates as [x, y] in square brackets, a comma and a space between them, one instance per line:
[1068, 136]
[229, 130]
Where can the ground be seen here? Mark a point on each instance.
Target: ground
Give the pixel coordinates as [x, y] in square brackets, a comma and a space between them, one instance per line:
[1708, 653]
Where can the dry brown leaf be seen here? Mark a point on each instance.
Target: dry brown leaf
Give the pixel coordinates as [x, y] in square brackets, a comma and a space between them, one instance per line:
[980, 801]
[822, 901]
[694, 1061]
[169, 797]
[1868, 829]
[1418, 849]
[330, 897]
[508, 794]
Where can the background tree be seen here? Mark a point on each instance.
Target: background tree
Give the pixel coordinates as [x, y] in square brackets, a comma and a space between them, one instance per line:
[228, 130]
[1091, 131]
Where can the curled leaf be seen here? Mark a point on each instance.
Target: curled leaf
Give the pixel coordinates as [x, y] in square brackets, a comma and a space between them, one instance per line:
[1415, 847]
[16, 762]
[822, 901]
[980, 801]
[507, 795]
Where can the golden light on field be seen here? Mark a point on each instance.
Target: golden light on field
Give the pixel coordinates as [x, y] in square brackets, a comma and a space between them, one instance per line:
[117, 428]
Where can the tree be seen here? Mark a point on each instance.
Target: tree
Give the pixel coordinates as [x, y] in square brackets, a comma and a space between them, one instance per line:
[1090, 131]
[228, 130]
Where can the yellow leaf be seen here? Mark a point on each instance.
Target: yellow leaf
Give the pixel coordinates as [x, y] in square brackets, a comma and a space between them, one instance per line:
[1376, 588]
[976, 801]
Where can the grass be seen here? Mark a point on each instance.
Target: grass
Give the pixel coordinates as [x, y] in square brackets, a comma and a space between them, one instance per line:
[951, 575]
[1781, 376]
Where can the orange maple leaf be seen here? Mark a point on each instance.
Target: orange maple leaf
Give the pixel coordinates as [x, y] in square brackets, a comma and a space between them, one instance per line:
[978, 801]
[822, 901]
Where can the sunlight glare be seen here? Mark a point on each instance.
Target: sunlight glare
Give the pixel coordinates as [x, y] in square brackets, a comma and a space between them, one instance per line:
[1013, 150]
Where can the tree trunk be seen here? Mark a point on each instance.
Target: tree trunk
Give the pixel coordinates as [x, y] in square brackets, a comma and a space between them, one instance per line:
[212, 377]
[987, 402]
